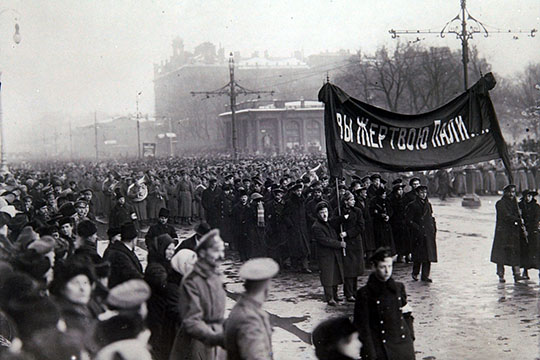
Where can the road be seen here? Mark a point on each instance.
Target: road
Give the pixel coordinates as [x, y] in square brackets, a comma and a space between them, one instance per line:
[464, 314]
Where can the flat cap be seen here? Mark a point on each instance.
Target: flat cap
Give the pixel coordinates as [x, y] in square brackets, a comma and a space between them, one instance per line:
[321, 205]
[509, 187]
[129, 294]
[258, 269]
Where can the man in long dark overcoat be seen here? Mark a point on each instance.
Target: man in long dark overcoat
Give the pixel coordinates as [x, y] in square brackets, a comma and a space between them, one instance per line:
[350, 227]
[294, 215]
[329, 254]
[508, 234]
[423, 231]
[399, 224]
[275, 238]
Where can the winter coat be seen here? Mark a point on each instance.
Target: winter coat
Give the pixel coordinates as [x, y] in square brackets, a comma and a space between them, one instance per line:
[329, 253]
[530, 250]
[352, 222]
[121, 214]
[124, 264]
[158, 229]
[275, 232]
[378, 209]
[294, 215]
[368, 238]
[506, 243]
[184, 191]
[386, 332]
[202, 308]
[423, 230]
[248, 333]
[156, 275]
[398, 222]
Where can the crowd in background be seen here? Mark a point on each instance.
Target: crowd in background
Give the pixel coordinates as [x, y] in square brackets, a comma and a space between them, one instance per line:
[286, 208]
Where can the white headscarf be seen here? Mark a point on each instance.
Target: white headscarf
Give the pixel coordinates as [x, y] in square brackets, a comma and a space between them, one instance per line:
[184, 261]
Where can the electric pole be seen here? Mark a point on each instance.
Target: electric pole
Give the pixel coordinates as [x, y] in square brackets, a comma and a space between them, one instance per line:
[458, 26]
[232, 89]
[95, 136]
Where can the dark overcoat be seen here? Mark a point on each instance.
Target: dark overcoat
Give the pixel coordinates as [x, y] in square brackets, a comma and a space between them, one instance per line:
[368, 238]
[329, 253]
[423, 230]
[351, 221]
[275, 237]
[386, 333]
[530, 250]
[378, 209]
[506, 243]
[124, 264]
[294, 215]
[398, 223]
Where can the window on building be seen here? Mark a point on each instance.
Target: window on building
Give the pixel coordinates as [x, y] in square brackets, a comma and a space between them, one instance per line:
[292, 134]
[313, 133]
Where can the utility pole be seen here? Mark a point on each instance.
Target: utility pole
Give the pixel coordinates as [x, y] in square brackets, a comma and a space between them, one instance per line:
[95, 136]
[138, 127]
[458, 26]
[232, 89]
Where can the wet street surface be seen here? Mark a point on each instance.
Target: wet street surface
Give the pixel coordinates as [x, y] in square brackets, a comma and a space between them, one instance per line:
[464, 314]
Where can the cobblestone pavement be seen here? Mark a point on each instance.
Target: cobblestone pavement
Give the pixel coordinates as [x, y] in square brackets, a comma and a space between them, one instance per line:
[464, 314]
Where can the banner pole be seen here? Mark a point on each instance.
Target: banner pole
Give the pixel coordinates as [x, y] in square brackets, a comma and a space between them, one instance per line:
[339, 214]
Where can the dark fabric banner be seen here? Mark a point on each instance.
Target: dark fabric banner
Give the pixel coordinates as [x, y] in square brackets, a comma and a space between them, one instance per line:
[360, 136]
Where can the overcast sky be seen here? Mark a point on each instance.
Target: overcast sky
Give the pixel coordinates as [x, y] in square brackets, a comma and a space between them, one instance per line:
[77, 56]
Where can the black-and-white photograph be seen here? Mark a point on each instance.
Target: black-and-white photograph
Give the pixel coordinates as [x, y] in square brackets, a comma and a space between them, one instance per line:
[269, 179]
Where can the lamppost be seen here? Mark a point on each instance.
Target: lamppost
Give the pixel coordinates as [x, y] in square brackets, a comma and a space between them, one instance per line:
[3, 160]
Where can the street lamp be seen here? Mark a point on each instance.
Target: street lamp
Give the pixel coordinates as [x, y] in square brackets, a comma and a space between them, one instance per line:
[3, 160]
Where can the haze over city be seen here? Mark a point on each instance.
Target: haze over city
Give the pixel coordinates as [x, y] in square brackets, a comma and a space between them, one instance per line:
[77, 57]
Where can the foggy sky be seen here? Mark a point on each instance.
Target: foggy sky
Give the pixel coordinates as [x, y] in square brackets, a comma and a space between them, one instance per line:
[77, 56]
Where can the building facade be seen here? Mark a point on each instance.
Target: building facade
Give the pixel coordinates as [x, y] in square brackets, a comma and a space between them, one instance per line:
[277, 127]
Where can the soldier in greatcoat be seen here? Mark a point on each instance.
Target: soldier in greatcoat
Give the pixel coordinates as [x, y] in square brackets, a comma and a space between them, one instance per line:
[423, 230]
[248, 332]
[350, 227]
[509, 230]
[329, 253]
[202, 305]
[382, 315]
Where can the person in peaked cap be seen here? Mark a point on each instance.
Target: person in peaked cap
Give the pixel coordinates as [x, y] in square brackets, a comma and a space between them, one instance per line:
[376, 183]
[248, 333]
[159, 228]
[529, 250]
[329, 253]
[295, 219]
[121, 254]
[130, 296]
[202, 304]
[423, 233]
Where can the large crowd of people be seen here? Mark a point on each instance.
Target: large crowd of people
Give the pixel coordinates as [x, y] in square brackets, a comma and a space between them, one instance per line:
[58, 292]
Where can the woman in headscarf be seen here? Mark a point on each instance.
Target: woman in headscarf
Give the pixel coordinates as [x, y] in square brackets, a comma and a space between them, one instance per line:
[182, 264]
[156, 275]
[202, 304]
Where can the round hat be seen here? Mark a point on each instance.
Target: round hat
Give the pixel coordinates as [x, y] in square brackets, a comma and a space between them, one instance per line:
[129, 295]
[258, 269]
[256, 196]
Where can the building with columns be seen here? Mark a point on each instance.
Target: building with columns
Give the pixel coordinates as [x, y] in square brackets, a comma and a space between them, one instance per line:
[276, 126]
